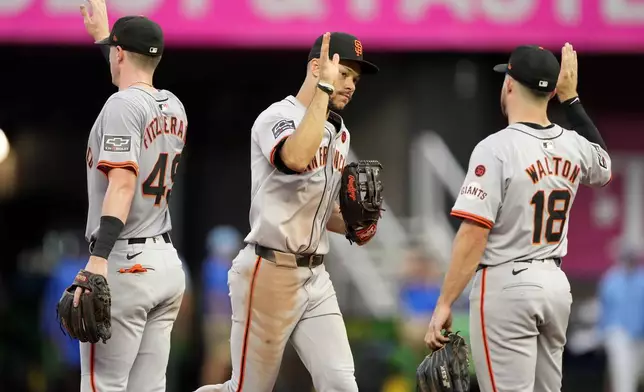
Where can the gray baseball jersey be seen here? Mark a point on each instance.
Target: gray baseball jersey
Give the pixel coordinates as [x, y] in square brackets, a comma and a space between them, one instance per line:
[275, 302]
[289, 212]
[521, 183]
[142, 130]
[145, 131]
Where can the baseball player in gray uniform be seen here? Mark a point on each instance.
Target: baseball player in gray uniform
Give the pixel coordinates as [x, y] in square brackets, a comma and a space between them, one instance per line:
[280, 290]
[515, 204]
[133, 152]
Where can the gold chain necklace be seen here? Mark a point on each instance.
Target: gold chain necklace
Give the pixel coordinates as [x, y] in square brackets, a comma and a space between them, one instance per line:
[147, 84]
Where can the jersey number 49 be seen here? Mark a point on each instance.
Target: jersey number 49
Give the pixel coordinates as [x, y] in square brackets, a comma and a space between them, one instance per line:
[556, 206]
[157, 176]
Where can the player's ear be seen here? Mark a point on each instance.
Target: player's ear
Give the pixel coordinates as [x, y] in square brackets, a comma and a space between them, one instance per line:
[120, 53]
[552, 94]
[314, 67]
[509, 84]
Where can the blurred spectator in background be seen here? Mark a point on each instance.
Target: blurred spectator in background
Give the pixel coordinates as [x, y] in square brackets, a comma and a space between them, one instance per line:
[181, 339]
[61, 355]
[419, 290]
[223, 244]
[621, 322]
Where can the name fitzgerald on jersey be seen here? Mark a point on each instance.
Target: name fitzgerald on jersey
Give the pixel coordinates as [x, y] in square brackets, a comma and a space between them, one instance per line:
[553, 167]
[320, 159]
[169, 125]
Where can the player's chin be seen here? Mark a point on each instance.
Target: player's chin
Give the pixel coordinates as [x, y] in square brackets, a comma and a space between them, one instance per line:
[339, 103]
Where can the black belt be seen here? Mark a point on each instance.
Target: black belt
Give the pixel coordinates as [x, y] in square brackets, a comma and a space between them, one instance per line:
[131, 241]
[300, 260]
[166, 238]
[557, 261]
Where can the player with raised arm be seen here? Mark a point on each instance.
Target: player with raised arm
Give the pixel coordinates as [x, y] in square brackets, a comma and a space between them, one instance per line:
[515, 203]
[130, 292]
[279, 288]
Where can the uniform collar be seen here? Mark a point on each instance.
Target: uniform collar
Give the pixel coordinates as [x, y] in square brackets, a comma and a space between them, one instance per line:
[334, 118]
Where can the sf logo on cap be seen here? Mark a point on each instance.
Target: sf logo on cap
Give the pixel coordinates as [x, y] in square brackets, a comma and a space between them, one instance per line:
[357, 46]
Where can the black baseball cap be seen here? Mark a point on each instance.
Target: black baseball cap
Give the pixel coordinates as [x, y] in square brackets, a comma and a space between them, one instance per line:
[532, 66]
[348, 47]
[136, 34]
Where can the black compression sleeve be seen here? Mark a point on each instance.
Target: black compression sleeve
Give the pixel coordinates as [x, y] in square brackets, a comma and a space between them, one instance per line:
[581, 123]
[108, 233]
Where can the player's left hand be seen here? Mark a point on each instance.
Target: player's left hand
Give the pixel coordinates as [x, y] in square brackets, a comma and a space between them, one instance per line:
[96, 23]
[441, 319]
[96, 265]
[567, 82]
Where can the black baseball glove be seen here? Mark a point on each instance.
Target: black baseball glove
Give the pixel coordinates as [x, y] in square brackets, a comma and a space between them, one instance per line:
[91, 320]
[446, 369]
[361, 200]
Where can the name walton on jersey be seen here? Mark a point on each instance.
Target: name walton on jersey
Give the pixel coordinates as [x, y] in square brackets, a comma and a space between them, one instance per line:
[536, 171]
[546, 169]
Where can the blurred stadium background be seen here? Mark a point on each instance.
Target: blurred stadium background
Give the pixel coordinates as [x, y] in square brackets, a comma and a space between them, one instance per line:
[434, 99]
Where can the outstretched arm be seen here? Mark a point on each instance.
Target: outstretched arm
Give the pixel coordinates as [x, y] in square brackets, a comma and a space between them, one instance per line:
[300, 147]
[96, 23]
[567, 95]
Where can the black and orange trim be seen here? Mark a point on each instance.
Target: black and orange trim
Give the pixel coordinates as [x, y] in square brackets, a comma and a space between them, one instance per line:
[92, 369]
[106, 166]
[486, 349]
[277, 146]
[609, 181]
[249, 312]
[473, 217]
[276, 160]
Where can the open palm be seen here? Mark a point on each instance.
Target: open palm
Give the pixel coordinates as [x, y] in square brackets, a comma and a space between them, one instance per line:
[329, 68]
[567, 82]
[95, 21]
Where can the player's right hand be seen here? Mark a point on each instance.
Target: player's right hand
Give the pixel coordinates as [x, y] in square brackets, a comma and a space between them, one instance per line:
[441, 320]
[96, 22]
[329, 68]
[567, 83]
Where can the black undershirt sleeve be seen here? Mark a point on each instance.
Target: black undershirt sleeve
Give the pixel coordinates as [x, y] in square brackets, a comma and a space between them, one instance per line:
[581, 123]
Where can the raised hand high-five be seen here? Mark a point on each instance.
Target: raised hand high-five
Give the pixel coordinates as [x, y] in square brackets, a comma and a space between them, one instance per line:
[567, 83]
[329, 68]
[95, 21]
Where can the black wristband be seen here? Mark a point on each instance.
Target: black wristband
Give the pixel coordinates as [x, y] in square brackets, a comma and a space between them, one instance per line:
[105, 49]
[581, 123]
[108, 233]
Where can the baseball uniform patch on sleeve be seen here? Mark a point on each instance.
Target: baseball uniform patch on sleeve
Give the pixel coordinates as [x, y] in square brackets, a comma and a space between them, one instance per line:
[115, 143]
[479, 171]
[473, 191]
[283, 126]
[602, 161]
[600, 158]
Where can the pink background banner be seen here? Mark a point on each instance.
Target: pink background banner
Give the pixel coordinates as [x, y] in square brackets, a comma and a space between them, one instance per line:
[596, 229]
[591, 25]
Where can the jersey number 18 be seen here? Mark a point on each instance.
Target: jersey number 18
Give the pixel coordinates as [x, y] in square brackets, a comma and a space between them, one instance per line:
[157, 175]
[558, 203]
